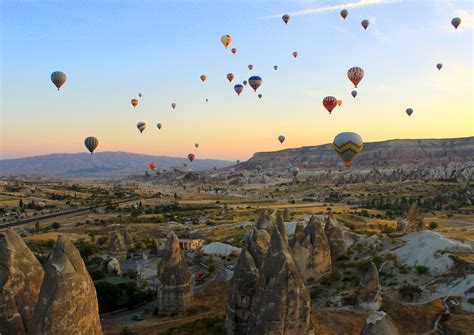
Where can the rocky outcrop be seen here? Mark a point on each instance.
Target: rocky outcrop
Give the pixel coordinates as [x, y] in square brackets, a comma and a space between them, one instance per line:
[175, 292]
[264, 221]
[281, 304]
[369, 294]
[281, 227]
[117, 246]
[379, 323]
[21, 276]
[128, 239]
[241, 294]
[257, 245]
[335, 235]
[286, 215]
[67, 302]
[311, 250]
[113, 267]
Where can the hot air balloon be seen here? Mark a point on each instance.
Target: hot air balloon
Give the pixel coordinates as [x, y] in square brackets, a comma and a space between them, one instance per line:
[305, 164]
[344, 13]
[58, 78]
[203, 77]
[173, 105]
[91, 143]
[238, 88]
[409, 111]
[339, 102]
[365, 24]
[355, 74]
[207, 100]
[456, 22]
[275, 67]
[141, 126]
[255, 82]
[244, 82]
[329, 103]
[226, 40]
[354, 93]
[295, 54]
[152, 166]
[250, 66]
[286, 18]
[196, 145]
[134, 102]
[234, 51]
[260, 96]
[439, 66]
[294, 171]
[140, 95]
[191, 157]
[159, 125]
[281, 138]
[340, 166]
[230, 77]
[348, 145]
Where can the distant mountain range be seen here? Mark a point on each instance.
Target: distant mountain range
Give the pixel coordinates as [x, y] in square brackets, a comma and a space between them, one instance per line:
[385, 154]
[98, 165]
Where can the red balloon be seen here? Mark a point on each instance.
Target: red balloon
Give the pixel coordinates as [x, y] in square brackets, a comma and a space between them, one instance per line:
[230, 77]
[191, 157]
[330, 103]
[355, 74]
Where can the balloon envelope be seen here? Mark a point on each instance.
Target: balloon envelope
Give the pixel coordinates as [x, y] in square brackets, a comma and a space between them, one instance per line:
[365, 23]
[355, 74]
[409, 111]
[152, 166]
[159, 125]
[203, 77]
[226, 40]
[58, 78]
[244, 82]
[295, 54]
[196, 145]
[456, 22]
[238, 88]
[260, 96]
[91, 143]
[344, 13]
[348, 145]
[140, 95]
[234, 51]
[294, 171]
[339, 102]
[250, 66]
[439, 66]
[329, 103]
[354, 93]
[275, 67]
[281, 138]
[286, 18]
[173, 105]
[255, 82]
[230, 77]
[141, 126]
[134, 102]
[191, 157]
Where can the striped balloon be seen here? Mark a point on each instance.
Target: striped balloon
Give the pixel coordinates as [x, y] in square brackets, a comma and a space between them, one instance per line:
[58, 78]
[141, 126]
[348, 145]
[91, 143]
[238, 88]
[255, 82]
[329, 103]
[355, 74]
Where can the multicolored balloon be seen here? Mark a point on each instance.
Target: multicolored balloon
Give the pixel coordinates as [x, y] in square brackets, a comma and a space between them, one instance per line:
[329, 103]
[226, 40]
[348, 145]
[191, 157]
[203, 77]
[234, 51]
[281, 138]
[141, 126]
[230, 77]
[344, 13]
[58, 78]
[91, 143]
[355, 74]
[354, 93]
[409, 111]
[439, 66]
[365, 24]
[238, 88]
[286, 18]
[134, 102]
[173, 105]
[255, 82]
[159, 125]
[456, 22]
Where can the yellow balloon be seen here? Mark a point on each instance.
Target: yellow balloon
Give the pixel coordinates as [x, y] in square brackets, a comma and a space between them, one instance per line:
[339, 102]
[226, 40]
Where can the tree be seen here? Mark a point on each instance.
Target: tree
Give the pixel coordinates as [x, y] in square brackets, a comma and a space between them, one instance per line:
[55, 225]
[20, 203]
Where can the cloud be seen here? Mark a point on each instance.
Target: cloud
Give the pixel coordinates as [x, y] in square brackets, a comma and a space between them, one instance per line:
[349, 5]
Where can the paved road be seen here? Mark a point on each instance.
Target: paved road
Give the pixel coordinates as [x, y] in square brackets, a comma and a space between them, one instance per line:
[125, 317]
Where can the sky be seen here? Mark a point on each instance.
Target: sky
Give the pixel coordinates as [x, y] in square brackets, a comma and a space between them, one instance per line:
[111, 50]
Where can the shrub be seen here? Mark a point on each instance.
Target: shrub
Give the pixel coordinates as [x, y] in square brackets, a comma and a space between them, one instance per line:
[433, 225]
[420, 269]
[409, 291]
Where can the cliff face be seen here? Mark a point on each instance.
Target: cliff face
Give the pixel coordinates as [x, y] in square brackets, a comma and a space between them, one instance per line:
[392, 153]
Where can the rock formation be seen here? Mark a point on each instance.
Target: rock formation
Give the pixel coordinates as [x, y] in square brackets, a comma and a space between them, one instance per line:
[264, 221]
[379, 323]
[257, 245]
[286, 215]
[241, 294]
[311, 250]
[281, 304]
[117, 246]
[369, 294]
[128, 239]
[335, 235]
[21, 276]
[281, 227]
[113, 267]
[175, 292]
[67, 302]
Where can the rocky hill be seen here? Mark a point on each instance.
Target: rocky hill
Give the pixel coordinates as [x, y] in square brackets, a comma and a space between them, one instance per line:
[101, 164]
[385, 154]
